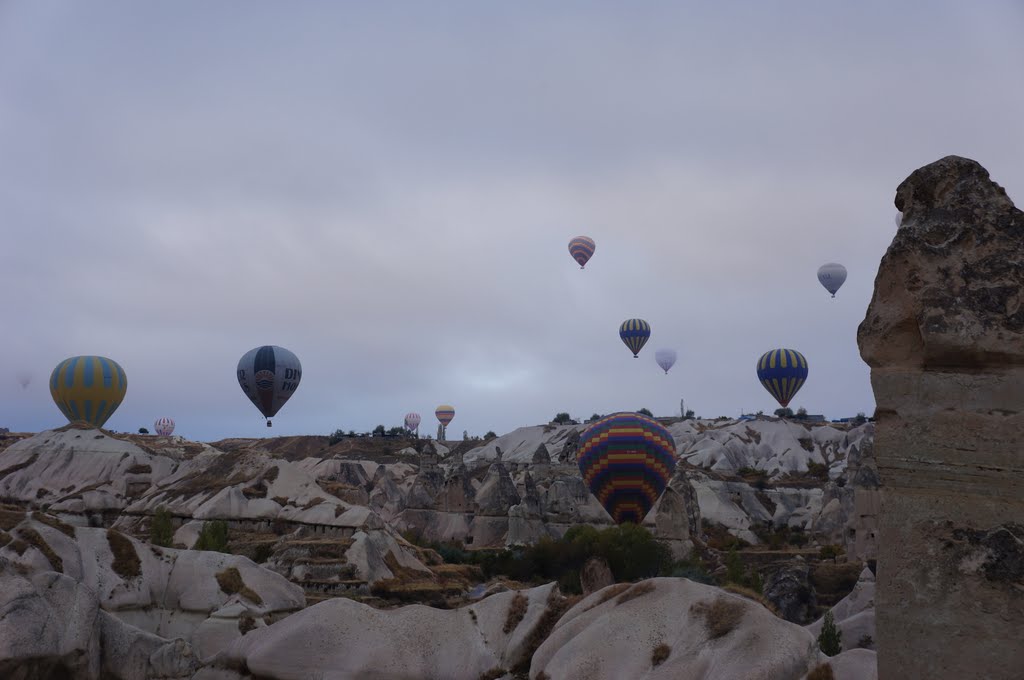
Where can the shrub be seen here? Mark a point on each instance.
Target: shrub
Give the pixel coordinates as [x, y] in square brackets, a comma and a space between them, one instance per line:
[379, 431]
[830, 642]
[660, 654]
[213, 536]
[143, 430]
[720, 617]
[830, 552]
[784, 412]
[230, 582]
[866, 642]
[821, 672]
[562, 419]
[817, 470]
[490, 435]
[161, 531]
[645, 412]
[336, 437]
[639, 590]
[493, 674]
[126, 561]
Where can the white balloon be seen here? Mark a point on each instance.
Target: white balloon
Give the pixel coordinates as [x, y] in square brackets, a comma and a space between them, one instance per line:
[412, 421]
[832, 276]
[164, 427]
[899, 219]
[666, 358]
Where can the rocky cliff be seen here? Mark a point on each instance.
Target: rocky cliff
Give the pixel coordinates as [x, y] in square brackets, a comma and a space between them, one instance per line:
[944, 336]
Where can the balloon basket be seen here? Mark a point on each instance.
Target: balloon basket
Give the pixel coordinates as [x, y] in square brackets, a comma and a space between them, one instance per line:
[270, 424]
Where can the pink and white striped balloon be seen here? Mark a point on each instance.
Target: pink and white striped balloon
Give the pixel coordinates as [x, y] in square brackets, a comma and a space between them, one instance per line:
[412, 421]
[164, 427]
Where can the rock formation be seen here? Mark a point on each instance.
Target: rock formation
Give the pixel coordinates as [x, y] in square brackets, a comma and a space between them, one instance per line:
[944, 336]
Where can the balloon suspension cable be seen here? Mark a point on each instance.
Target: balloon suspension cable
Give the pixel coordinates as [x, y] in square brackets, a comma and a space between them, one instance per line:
[581, 266]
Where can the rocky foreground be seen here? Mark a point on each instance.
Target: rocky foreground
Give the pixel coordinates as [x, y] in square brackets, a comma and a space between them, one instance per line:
[322, 558]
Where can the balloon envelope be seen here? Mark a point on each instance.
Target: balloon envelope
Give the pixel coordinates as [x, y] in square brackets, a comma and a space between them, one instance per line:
[269, 376]
[582, 249]
[412, 421]
[635, 333]
[23, 378]
[782, 372]
[666, 358]
[445, 414]
[164, 427]
[88, 388]
[899, 219]
[832, 276]
[626, 459]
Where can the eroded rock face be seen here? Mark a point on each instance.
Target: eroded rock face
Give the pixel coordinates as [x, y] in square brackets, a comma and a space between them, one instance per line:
[944, 336]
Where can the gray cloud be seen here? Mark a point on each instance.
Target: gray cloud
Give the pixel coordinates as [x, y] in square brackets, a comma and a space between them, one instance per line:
[388, 192]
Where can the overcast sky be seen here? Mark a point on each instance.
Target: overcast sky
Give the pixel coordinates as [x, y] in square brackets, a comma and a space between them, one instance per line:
[388, 190]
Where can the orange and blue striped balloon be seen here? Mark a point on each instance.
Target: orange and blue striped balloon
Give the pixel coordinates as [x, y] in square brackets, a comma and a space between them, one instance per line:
[582, 249]
[88, 388]
[627, 459]
[445, 414]
[635, 333]
[782, 372]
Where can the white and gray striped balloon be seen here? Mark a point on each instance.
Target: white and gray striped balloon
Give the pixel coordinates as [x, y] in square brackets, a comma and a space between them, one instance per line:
[164, 427]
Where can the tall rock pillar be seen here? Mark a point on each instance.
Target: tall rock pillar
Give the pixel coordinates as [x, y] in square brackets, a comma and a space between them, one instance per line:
[944, 336]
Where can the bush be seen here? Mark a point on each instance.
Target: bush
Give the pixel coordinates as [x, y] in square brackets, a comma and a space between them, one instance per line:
[594, 418]
[379, 431]
[821, 672]
[645, 412]
[784, 412]
[143, 430]
[830, 642]
[689, 414]
[213, 536]
[161, 531]
[801, 413]
[660, 654]
[562, 419]
[830, 552]
[817, 470]
[336, 437]
[490, 435]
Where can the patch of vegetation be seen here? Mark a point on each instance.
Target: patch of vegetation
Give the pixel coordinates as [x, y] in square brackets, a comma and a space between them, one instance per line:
[5, 538]
[313, 502]
[610, 592]
[756, 596]
[640, 589]
[817, 470]
[694, 569]
[542, 676]
[822, 672]
[32, 538]
[19, 466]
[262, 552]
[831, 551]
[562, 419]
[830, 641]
[246, 623]
[213, 536]
[719, 538]
[720, 617]
[865, 642]
[126, 562]
[143, 430]
[556, 606]
[230, 582]
[645, 412]
[19, 546]
[490, 435]
[660, 654]
[778, 538]
[784, 412]
[516, 612]
[161, 530]
[54, 523]
[139, 469]
[492, 674]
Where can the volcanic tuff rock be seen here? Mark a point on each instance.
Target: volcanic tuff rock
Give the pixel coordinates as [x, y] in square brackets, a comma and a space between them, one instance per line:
[944, 336]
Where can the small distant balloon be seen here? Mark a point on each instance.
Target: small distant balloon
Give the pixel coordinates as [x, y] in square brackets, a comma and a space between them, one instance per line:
[832, 276]
[634, 334]
[445, 414]
[412, 421]
[582, 249]
[269, 376]
[164, 427]
[23, 378]
[666, 358]
[88, 388]
[899, 219]
[782, 372]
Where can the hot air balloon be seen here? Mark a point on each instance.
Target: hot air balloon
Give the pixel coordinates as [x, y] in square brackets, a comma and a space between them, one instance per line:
[899, 219]
[445, 414]
[782, 372]
[582, 249]
[666, 358]
[626, 459]
[164, 427]
[23, 378]
[412, 421]
[88, 388]
[635, 332]
[832, 276]
[269, 376]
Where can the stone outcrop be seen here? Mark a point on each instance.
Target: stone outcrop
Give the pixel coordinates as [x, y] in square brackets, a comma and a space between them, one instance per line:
[789, 589]
[944, 337]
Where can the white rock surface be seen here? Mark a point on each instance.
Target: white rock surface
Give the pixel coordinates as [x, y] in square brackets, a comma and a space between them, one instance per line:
[854, 615]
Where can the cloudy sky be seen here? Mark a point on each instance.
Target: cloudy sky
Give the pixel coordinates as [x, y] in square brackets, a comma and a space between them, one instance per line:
[388, 189]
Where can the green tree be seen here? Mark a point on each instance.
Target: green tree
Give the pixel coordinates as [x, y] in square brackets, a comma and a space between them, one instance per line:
[689, 413]
[733, 567]
[801, 413]
[562, 419]
[594, 418]
[161, 531]
[379, 431]
[784, 412]
[213, 536]
[830, 642]
[860, 419]
[490, 435]
[336, 437]
[143, 430]
[646, 412]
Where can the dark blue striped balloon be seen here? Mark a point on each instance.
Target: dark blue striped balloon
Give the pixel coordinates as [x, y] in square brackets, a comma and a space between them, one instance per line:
[782, 372]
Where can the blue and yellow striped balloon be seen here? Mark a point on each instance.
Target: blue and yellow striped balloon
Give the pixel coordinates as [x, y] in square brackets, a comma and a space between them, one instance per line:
[627, 459]
[88, 389]
[782, 372]
[635, 332]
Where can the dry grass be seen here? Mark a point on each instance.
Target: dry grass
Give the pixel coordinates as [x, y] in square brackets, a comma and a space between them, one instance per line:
[757, 597]
[19, 546]
[5, 538]
[246, 623]
[638, 590]
[660, 654]
[32, 537]
[10, 516]
[610, 592]
[126, 561]
[556, 606]
[54, 523]
[313, 503]
[19, 466]
[516, 612]
[138, 469]
[821, 672]
[492, 674]
[720, 617]
[542, 676]
[230, 581]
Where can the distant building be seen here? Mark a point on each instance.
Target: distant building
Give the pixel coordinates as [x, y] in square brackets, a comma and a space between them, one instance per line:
[4, 430]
